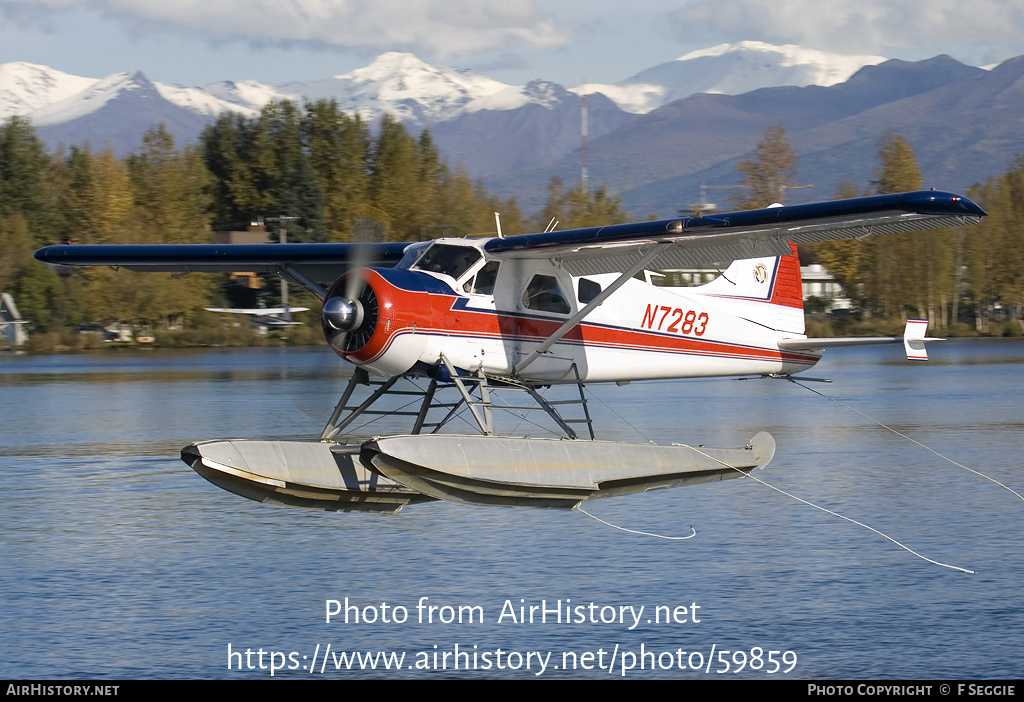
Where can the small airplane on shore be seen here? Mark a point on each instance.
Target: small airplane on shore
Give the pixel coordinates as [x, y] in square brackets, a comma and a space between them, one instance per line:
[483, 316]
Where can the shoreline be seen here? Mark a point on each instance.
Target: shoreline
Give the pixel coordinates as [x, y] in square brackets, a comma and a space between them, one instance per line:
[68, 342]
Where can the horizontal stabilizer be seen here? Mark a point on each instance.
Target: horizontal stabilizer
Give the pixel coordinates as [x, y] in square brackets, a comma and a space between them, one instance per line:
[913, 340]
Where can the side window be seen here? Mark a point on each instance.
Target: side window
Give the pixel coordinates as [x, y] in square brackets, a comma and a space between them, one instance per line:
[483, 283]
[544, 295]
[587, 290]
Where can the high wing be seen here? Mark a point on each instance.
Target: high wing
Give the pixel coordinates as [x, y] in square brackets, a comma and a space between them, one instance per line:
[313, 265]
[709, 241]
[258, 311]
[716, 241]
[264, 316]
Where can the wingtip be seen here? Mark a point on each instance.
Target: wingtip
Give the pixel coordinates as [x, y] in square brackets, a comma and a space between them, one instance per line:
[940, 202]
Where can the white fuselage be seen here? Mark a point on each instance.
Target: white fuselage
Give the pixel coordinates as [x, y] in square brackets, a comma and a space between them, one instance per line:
[489, 314]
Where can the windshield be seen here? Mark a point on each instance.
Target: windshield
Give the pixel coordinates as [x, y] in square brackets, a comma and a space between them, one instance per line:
[448, 260]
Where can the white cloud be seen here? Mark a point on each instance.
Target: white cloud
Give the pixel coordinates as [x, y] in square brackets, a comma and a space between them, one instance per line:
[866, 26]
[439, 28]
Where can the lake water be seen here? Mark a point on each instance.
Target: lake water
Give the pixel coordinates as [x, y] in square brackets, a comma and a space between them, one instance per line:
[118, 561]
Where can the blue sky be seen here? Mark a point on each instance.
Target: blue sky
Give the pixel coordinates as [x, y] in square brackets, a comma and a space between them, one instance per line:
[193, 42]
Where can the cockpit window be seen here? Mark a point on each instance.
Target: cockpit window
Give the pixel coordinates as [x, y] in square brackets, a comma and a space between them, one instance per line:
[448, 260]
[543, 294]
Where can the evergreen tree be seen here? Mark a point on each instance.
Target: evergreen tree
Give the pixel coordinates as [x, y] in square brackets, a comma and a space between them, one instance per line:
[576, 208]
[233, 193]
[460, 212]
[28, 220]
[429, 173]
[24, 167]
[339, 146]
[393, 180]
[290, 183]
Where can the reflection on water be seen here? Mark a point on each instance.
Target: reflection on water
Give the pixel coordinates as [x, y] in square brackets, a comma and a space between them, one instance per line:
[119, 561]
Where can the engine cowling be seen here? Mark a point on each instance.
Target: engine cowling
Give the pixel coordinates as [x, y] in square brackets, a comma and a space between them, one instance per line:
[350, 314]
[375, 318]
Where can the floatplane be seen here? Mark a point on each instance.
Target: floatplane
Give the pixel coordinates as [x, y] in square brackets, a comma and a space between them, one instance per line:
[264, 316]
[477, 317]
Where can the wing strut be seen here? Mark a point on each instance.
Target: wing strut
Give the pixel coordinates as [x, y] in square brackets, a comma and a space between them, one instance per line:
[302, 279]
[591, 306]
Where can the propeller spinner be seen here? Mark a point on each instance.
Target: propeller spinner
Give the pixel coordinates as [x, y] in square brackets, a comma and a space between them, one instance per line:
[341, 314]
[349, 315]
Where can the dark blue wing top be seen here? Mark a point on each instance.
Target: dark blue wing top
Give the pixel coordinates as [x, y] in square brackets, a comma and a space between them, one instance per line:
[717, 240]
[319, 263]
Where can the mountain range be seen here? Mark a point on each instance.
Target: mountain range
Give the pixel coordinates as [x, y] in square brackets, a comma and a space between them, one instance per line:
[654, 138]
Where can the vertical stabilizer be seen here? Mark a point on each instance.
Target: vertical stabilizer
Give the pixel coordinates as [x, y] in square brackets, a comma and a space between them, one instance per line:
[767, 291]
[12, 326]
[914, 339]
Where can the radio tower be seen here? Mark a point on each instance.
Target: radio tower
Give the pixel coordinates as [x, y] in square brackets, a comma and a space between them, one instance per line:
[584, 176]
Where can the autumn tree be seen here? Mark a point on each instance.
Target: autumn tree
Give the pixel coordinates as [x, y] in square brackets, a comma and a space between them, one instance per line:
[911, 269]
[768, 173]
[158, 195]
[993, 252]
[898, 170]
[39, 294]
[846, 259]
[170, 205]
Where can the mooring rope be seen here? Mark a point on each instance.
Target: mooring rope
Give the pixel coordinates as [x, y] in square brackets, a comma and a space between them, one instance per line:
[911, 440]
[800, 499]
[828, 511]
[634, 531]
[769, 485]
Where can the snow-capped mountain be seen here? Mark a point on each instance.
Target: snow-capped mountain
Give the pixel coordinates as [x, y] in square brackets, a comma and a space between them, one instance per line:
[116, 112]
[730, 69]
[47, 96]
[26, 87]
[411, 89]
[395, 83]
[652, 138]
[422, 94]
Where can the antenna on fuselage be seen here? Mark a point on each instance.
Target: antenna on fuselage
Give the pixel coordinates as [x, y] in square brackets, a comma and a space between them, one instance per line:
[497, 223]
[551, 225]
